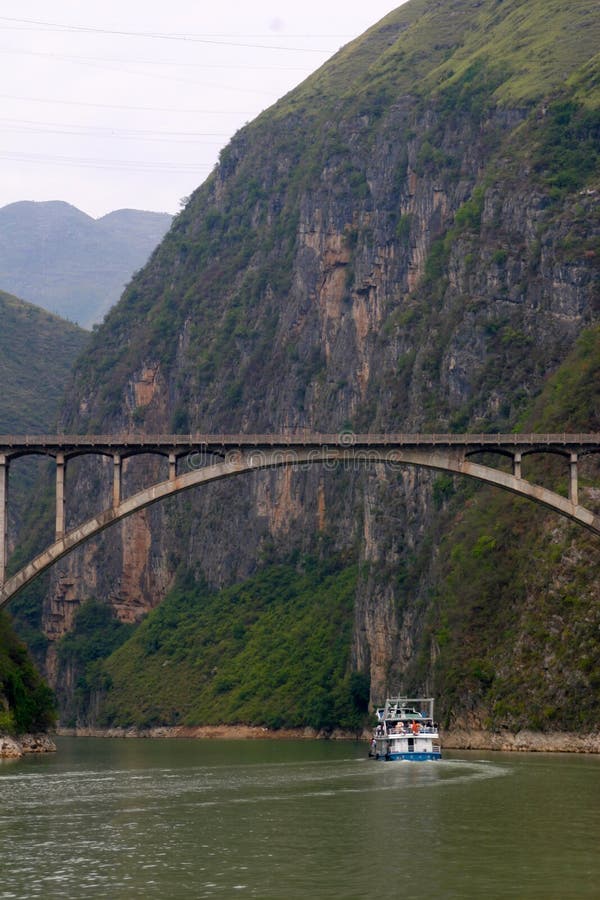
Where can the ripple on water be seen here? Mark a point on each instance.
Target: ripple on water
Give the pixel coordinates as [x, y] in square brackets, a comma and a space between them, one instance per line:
[254, 828]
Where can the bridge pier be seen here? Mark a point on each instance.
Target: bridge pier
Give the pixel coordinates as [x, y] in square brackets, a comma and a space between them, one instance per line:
[3, 516]
[517, 464]
[117, 479]
[573, 483]
[172, 467]
[61, 467]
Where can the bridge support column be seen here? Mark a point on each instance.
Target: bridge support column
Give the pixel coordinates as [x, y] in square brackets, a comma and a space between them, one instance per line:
[573, 482]
[3, 516]
[61, 466]
[517, 465]
[117, 479]
[172, 467]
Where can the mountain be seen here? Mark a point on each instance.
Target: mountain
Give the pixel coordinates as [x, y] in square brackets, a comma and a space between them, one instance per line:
[37, 351]
[57, 257]
[408, 241]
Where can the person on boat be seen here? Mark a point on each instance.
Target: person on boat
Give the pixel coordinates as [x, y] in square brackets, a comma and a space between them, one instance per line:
[415, 727]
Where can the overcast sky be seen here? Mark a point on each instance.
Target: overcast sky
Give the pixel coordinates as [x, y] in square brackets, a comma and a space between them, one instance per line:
[126, 103]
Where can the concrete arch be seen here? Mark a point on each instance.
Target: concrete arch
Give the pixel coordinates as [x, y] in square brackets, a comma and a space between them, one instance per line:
[240, 462]
[109, 454]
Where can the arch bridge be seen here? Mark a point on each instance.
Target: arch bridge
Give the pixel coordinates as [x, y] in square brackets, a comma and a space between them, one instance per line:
[203, 458]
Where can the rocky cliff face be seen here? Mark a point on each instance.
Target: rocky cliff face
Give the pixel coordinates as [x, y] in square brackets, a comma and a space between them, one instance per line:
[401, 244]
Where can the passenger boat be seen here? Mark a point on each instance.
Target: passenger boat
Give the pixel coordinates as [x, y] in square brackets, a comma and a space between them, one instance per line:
[406, 730]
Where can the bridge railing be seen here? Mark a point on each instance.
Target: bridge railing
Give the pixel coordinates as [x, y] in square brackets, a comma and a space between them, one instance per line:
[9, 442]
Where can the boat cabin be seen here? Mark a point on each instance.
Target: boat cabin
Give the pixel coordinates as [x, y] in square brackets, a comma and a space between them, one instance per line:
[406, 729]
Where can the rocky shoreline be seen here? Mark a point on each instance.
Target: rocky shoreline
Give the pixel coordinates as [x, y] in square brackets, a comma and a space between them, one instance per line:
[207, 732]
[522, 741]
[459, 739]
[16, 747]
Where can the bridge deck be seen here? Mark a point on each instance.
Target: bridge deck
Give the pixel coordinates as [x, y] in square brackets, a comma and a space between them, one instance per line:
[11, 444]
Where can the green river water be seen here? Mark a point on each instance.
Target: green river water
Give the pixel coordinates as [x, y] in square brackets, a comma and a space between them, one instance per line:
[295, 819]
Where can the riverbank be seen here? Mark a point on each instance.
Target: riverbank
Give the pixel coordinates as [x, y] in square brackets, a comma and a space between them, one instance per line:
[16, 747]
[207, 732]
[522, 741]
[463, 739]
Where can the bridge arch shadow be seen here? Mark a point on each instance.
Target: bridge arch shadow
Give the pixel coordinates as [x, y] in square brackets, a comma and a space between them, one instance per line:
[333, 458]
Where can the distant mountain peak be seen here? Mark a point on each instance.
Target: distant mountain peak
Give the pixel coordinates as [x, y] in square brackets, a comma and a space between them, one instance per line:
[67, 262]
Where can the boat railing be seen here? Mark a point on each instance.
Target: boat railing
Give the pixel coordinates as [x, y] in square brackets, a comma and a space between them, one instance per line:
[408, 732]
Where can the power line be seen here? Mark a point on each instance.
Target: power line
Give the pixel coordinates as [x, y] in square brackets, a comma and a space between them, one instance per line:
[76, 132]
[207, 34]
[125, 165]
[202, 112]
[150, 62]
[100, 131]
[163, 36]
[161, 77]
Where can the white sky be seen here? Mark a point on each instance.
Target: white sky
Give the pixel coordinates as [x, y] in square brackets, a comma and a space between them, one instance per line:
[126, 103]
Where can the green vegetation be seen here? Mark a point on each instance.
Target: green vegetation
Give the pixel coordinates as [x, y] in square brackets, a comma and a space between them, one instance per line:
[37, 351]
[96, 633]
[512, 644]
[506, 52]
[567, 154]
[26, 702]
[515, 616]
[529, 48]
[271, 651]
[571, 398]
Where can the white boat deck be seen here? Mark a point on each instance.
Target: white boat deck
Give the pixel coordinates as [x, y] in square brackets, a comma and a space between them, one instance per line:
[406, 730]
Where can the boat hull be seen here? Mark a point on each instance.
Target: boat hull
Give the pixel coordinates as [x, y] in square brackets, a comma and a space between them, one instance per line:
[410, 757]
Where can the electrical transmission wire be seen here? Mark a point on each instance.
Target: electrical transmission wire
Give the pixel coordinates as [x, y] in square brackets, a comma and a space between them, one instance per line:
[202, 112]
[178, 64]
[158, 35]
[126, 165]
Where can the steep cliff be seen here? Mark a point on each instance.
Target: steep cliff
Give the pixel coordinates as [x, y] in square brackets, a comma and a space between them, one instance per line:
[408, 241]
[37, 350]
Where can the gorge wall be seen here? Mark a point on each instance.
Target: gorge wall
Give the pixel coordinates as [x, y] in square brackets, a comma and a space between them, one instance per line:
[409, 241]
[37, 350]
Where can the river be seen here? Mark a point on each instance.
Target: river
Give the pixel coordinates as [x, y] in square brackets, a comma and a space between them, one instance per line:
[124, 818]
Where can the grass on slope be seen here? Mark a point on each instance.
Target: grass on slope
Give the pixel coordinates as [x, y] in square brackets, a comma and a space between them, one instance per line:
[571, 397]
[425, 48]
[271, 651]
[537, 43]
[37, 351]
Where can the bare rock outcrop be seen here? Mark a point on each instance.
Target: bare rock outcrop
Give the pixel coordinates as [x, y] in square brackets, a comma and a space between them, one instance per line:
[16, 747]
